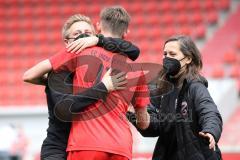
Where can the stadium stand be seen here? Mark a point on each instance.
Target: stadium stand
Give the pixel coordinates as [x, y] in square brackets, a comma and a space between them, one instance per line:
[30, 31]
[34, 32]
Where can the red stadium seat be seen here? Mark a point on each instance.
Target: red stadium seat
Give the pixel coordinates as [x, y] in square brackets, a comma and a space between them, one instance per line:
[2, 26]
[56, 36]
[194, 5]
[28, 2]
[153, 20]
[167, 19]
[158, 46]
[224, 4]
[230, 57]
[26, 11]
[180, 6]
[182, 19]
[196, 18]
[165, 6]
[12, 12]
[95, 10]
[40, 23]
[212, 17]
[209, 5]
[200, 32]
[136, 8]
[39, 11]
[55, 24]
[168, 32]
[3, 64]
[235, 71]
[2, 13]
[218, 72]
[155, 33]
[17, 64]
[27, 25]
[12, 25]
[138, 21]
[143, 45]
[185, 30]
[33, 33]
[28, 38]
[151, 8]
[52, 10]
[238, 43]
[67, 10]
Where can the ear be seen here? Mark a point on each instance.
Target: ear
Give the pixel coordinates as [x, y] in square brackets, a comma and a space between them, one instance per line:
[188, 60]
[125, 34]
[98, 27]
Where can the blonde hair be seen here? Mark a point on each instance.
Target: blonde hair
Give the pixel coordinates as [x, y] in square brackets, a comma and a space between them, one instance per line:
[73, 19]
[115, 20]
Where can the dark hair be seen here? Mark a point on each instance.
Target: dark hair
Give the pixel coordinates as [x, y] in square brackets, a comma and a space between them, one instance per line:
[189, 49]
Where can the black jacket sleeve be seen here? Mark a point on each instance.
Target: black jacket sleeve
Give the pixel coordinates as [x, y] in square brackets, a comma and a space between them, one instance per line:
[154, 129]
[118, 45]
[83, 99]
[208, 115]
[60, 85]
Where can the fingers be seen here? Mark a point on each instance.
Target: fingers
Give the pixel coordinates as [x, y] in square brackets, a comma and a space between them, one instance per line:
[77, 47]
[121, 83]
[203, 134]
[115, 82]
[120, 75]
[212, 143]
[121, 78]
[82, 48]
[69, 45]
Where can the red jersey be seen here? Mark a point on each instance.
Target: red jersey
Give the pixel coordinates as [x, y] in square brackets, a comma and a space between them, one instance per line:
[103, 125]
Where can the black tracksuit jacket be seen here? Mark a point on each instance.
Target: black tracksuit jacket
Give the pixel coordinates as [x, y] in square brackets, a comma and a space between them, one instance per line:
[177, 117]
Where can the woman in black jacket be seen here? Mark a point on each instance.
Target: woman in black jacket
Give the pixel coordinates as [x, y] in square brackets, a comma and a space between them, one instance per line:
[182, 113]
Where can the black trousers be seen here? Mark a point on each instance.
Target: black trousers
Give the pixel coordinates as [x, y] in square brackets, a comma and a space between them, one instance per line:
[55, 157]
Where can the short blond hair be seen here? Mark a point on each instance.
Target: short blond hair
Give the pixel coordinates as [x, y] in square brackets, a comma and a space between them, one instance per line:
[73, 19]
[115, 20]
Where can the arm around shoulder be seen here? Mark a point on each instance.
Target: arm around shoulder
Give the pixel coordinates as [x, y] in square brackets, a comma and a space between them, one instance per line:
[36, 74]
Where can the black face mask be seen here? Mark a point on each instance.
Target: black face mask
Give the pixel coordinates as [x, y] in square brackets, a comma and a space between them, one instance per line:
[171, 66]
[81, 36]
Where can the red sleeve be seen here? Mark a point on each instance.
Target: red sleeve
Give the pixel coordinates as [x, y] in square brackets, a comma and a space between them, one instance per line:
[141, 95]
[63, 61]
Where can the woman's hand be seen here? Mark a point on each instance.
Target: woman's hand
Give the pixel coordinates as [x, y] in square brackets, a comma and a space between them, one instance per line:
[211, 139]
[82, 43]
[142, 118]
[114, 82]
